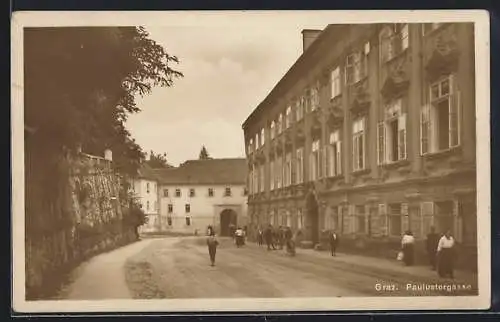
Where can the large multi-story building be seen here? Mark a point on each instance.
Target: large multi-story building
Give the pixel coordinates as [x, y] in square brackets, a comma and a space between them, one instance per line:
[194, 195]
[370, 133]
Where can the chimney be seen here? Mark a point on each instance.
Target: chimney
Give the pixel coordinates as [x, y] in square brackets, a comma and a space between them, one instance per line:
[308, 37]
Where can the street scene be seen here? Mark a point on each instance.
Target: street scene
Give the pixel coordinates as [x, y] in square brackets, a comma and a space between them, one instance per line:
[310, 160]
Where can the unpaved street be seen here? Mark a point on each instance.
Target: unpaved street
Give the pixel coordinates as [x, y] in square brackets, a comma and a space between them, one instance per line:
[180, 268]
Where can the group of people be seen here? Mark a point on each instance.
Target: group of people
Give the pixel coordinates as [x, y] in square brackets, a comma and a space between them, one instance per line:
[440, 250]
[275, 237]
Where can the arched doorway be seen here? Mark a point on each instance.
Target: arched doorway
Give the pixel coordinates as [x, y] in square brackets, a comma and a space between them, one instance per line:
[312, 209]
[228, 217]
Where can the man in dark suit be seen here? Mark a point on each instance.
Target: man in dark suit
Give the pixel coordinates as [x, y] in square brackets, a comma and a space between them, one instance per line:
[334, 242]
[432, 243]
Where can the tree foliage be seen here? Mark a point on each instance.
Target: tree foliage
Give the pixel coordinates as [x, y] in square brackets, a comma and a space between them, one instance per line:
[158, 161]
[204, 154]
[81, 84]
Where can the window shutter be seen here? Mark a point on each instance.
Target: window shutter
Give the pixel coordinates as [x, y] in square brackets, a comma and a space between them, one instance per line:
[454, 119]
[405, 219]
[424, 129]
[382, 213]
[338, 162]
[381, 142]
[402, 137]
[427, 211]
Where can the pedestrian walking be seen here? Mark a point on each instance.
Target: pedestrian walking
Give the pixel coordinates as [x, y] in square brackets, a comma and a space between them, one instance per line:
[334, 241]
[260, 237]
[446, 255]
[269, 236]
[431, 246]
[281, 237]
[212, 244]
[408, 243]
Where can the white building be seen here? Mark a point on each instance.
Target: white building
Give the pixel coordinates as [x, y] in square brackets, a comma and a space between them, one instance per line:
[145, 188]
[194, 195]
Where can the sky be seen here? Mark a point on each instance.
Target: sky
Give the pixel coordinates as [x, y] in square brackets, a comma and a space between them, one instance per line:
[228, 68]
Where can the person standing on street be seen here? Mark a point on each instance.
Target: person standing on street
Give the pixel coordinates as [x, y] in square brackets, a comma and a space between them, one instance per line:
[445, 251]
[334, 241]
[407, 244]
[212, 243]
[432, 244]
[268, 235]
[260, 237]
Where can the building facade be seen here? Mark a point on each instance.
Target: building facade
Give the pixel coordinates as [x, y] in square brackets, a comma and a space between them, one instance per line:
[370, 133]
[145, 189]
[195, 195]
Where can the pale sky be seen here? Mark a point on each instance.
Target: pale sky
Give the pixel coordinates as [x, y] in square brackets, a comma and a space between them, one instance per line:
[228, 70]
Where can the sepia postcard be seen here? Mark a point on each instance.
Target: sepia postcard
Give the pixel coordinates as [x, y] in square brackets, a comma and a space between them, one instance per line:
[256, 161]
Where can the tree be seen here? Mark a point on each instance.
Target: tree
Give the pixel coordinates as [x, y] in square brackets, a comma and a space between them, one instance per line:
[158, 161]
[204, 154]
[81, 83]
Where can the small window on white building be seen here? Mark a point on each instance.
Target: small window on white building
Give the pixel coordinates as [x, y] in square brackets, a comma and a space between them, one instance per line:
[165, 192]
[358, 144]
[227, 192]
[177, 193]
[439, 120]
[187, 208]
[169, 221]
[335, 83]
[188, 221]
[192, 192]
[391, 134]
[170, 208]
[147, 187]
[210, 192]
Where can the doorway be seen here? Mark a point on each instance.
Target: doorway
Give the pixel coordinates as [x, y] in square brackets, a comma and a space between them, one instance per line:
[228, 218]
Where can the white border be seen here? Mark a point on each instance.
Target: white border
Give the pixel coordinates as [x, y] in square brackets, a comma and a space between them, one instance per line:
[179, 18]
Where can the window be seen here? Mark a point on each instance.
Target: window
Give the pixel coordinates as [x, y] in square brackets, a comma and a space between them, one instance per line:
[280, 123]
[391, 135]
[393, 41]
[255, 179]
[262, 137]
[187, 208]
[334, 155]
[278, 172]
[429, 27]
[271, 174]
[314, 97]
[273, 125]
[177, 193]
[360, 219]
[170, 208]
[315, 161]
[169, 221]
[191, 192]
[261, 179]
[439, 125]
[250, 146]
[300, 166]
[227, 192]
[335, 83]
[299, 110]
[288, 170]
[300, 219]
[245, 191]
[165, 192]
[358, 144]
[210, 192]
[188, 221]
[356, 67]
[147, 187]
[147, 205]
[444, 215]
[395, 221]
[288, 117]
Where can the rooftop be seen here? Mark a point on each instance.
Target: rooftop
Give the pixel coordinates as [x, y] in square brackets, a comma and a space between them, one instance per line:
[211, 171]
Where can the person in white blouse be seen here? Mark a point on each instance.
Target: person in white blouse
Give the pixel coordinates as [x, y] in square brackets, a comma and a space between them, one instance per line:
[446, 255]
[407, 243]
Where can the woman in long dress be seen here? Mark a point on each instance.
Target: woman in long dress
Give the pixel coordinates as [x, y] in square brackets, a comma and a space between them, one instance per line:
[407, 244]
[446, 255]
[212, 244]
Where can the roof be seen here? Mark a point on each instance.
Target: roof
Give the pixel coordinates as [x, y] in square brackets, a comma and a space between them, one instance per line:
[147, 172]
[211, 171]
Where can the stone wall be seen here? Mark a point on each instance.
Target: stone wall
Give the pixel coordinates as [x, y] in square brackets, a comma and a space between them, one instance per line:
[74, 210]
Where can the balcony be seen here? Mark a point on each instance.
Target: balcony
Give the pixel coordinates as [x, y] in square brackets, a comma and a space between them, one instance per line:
[359, 98]
[441, 51]
[396, 75]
